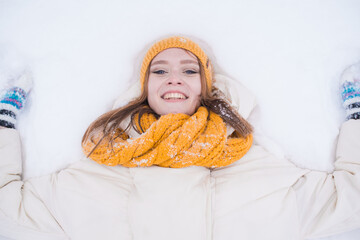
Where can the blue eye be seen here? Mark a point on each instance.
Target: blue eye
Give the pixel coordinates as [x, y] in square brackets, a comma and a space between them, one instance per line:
[190, 72]
[159, 72]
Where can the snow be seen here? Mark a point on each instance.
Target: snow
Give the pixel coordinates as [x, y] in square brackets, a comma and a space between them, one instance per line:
[81, 53]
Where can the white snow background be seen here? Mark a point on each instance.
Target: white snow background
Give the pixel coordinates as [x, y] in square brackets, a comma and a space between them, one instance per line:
[290, 54]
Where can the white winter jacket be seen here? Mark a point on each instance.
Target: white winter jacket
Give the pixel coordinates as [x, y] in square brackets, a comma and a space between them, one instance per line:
[258, 197]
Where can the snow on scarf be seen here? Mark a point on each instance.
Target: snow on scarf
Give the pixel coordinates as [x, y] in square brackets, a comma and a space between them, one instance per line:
[174, 140]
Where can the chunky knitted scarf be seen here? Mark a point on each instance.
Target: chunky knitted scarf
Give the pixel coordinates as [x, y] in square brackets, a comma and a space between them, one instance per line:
[174, 140]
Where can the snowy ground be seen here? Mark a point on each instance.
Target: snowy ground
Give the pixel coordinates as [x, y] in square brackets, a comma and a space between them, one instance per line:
[289, 53]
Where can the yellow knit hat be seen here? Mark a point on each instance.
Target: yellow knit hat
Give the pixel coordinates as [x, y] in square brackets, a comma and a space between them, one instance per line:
[177, 42]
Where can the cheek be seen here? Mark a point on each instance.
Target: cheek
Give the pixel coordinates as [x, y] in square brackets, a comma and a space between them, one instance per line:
[152, 91]
[196, 86]
[152, 86]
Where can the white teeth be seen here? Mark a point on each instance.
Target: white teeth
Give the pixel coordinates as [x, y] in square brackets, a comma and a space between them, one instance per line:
[174, 96]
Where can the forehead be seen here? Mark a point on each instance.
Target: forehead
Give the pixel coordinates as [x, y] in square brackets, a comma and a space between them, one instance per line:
[175, 53]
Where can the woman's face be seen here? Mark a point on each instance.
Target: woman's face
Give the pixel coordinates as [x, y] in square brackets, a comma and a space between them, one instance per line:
[174, 84]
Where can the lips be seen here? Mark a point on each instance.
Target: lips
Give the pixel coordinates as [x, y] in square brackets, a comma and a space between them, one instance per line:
[174, 96]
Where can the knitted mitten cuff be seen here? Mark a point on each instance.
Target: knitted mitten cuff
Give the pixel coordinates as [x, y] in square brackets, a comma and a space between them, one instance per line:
[351, 97]
[12, 100]
[10, 104]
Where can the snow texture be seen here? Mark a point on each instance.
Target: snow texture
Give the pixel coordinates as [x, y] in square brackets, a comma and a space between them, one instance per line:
[289, 53]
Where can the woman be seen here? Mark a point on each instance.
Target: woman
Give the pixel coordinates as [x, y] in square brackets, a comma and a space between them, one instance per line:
[200, 176]
[176, 77]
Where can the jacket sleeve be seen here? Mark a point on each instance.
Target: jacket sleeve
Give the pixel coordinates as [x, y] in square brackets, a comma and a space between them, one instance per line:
[330, 203]
[23, 214]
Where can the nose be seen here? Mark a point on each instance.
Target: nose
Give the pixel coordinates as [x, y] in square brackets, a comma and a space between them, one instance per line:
[174, 79]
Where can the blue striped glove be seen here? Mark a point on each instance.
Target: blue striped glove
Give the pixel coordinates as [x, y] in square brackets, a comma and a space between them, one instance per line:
[350, 83]
[12, 100]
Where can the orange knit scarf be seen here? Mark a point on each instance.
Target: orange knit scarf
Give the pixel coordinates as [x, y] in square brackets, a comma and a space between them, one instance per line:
[174, 140]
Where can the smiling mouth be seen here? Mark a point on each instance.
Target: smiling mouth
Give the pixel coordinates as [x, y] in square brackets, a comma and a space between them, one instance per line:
[170, 96]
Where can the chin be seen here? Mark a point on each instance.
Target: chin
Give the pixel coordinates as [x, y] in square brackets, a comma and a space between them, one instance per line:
[175, 111]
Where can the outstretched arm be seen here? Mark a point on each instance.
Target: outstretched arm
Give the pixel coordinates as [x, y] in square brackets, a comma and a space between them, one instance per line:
[330, 203]
[23, 214]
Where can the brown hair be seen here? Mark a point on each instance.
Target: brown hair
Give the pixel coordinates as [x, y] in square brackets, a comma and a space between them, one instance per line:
[214, 101]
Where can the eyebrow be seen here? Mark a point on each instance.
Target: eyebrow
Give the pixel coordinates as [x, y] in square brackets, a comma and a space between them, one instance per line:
[159, 62]
[182, 62]
[188, 61]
